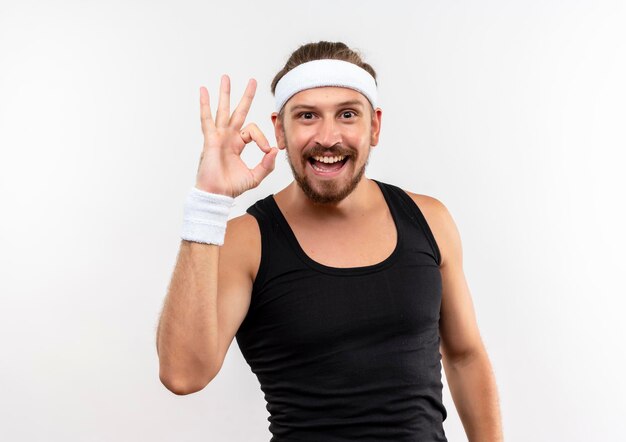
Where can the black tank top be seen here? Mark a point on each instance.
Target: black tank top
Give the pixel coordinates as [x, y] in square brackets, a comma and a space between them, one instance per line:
[347, 354]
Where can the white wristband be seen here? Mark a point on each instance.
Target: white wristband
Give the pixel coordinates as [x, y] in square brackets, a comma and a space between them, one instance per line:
[205, 216]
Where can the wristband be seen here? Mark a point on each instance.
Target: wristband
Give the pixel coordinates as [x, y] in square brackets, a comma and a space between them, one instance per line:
[205, 216]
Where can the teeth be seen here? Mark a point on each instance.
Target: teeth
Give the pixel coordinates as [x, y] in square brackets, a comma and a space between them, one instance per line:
[330, 159]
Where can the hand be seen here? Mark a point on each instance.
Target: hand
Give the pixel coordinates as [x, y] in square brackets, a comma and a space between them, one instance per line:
[221, 169]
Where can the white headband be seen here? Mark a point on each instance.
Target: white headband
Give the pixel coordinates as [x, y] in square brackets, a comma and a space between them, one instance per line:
[326, 72]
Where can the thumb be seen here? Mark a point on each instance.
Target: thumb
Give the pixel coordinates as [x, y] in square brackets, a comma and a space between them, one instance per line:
[267, 164]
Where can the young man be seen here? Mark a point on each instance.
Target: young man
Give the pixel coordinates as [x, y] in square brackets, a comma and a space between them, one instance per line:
[341, 290]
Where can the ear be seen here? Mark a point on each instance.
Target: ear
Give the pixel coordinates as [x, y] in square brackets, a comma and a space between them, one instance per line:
[278, 131]
[377, 116]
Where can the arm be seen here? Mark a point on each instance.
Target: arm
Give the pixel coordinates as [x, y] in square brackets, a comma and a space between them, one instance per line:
[475, 396]
[210, 291]
[467, 366]
[187, 335]
[207, 300]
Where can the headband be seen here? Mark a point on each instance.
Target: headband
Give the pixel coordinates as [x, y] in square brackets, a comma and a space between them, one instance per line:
[326, 72]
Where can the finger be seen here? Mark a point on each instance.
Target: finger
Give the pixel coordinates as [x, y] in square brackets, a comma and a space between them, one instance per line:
[267, 164]
[223, 106]
[241, 111]
[206, 119]
[252, 133]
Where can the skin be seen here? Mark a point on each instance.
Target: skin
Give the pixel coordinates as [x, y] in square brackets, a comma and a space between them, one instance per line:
[318, 121]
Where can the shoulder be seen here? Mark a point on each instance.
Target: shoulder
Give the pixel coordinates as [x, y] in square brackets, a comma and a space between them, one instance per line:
[242, 243]
[245, 224]
[441, 224]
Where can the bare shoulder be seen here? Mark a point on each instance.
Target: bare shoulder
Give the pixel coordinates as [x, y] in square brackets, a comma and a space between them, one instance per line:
[441, 224]
[242, 244]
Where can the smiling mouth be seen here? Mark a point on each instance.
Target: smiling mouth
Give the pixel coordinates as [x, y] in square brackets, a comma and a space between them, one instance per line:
[327, 167]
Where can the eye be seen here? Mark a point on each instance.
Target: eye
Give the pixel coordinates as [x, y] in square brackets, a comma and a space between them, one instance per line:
[348, 114]
[307, 115]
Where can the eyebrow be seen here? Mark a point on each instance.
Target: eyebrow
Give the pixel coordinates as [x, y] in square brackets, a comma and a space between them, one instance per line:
[343, 103]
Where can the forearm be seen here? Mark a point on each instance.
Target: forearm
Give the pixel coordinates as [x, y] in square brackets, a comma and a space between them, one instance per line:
[187, 341]
[474, 391]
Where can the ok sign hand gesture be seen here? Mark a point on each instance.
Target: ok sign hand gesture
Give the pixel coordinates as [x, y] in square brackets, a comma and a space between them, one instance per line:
[221, 169]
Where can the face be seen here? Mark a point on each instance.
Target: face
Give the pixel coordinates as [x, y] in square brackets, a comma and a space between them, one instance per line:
[326, 121]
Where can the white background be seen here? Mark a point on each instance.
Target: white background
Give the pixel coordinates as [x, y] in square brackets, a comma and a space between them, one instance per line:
[510, 113]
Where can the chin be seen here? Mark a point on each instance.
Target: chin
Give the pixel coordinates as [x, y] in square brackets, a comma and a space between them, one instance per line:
[327, 192]
[324, 198]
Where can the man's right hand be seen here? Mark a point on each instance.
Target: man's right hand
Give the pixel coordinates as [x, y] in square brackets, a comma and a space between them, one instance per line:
[221, 169]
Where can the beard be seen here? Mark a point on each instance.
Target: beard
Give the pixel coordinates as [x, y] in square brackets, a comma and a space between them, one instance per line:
[332, 191]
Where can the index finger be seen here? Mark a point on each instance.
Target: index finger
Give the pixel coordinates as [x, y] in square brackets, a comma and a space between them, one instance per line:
[240, 113]
[252, 132]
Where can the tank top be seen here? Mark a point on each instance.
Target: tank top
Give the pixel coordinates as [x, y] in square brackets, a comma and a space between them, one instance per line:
[347, 354]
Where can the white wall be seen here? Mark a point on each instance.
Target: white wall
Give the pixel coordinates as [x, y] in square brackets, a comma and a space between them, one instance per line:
[511, 113]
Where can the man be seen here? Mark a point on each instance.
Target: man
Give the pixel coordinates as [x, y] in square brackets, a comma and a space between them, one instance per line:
[340, 289]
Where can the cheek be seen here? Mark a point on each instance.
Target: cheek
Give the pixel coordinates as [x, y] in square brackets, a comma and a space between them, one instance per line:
[357, 135]
[301, 138]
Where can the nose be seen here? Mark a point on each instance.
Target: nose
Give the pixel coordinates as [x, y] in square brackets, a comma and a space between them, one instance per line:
[328, 134]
